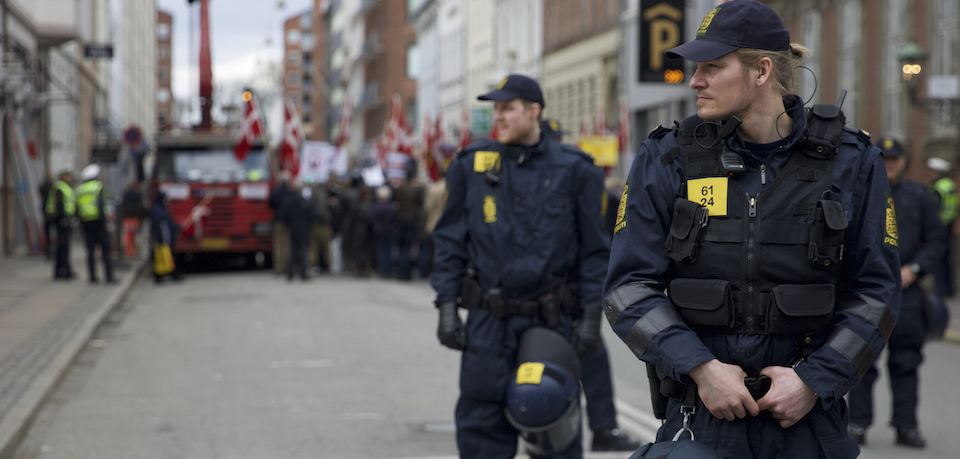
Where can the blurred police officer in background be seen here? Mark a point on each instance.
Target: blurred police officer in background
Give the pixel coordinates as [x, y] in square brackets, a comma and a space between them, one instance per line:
[523, 213]
[61, 208]
[948, 206]
[755, 200]
[93, 217]
[922, 245]
[596, 378]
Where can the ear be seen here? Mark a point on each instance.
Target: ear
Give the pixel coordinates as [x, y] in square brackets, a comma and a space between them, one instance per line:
[762, 71]
[535, 110]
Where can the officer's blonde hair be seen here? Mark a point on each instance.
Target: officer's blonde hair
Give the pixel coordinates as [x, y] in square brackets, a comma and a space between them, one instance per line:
[784, 67]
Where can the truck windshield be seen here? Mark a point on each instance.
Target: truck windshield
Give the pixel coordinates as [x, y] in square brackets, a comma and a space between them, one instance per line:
[211, 166]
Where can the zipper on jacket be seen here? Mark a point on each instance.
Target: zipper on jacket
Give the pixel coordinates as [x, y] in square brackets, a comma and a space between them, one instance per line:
[751, 310]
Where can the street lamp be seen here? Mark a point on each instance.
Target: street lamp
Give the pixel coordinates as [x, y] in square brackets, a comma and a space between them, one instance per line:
[942, 90]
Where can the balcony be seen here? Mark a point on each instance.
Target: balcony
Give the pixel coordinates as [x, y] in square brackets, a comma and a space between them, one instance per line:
[56, 20]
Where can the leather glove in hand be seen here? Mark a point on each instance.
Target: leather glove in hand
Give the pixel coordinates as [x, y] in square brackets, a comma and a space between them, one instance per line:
[586, 334]
[450, 329]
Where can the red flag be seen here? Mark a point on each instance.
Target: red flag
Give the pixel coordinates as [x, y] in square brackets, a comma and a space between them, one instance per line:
[465, 135]
[583, 129]
[291, 139]
[343, 136]
[390, 139]
[251, 128]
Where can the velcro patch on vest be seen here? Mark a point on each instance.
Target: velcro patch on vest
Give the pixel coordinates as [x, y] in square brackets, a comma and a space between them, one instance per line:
[890, 231]
[709, 192]
[486, 160]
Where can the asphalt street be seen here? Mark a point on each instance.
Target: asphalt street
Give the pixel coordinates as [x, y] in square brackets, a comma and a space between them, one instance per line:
[246, 365]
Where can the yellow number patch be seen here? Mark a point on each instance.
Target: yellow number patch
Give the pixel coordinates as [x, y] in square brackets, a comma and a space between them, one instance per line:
[486, 160]
[530, 373]
[709, 192]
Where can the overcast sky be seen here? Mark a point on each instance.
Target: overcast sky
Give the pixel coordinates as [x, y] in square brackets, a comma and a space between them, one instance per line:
[242, 31]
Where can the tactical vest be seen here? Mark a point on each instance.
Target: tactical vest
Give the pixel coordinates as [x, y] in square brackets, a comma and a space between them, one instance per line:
[69, 199]
[87, 194]
[769, 266]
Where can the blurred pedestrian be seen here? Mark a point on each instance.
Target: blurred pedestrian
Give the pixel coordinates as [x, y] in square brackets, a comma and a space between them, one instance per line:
[281, 234]
[357, 231]
[91, 211]
[132, 213]
[948, 207]
[321, 230]
[49, 223]
[61, 208]
[163, 230]
[432, 209]
[296, 212]
[408, 197]
[383, 217]
[922, 244]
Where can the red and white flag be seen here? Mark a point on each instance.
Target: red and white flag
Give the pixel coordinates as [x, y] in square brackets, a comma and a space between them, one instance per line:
[465, 135]
[599, 122]
[343, 134]
[250, 129]
[623, 129]
[291, 139]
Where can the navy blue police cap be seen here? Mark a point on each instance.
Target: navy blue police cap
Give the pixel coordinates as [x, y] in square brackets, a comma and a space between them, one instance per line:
[551, 127]
[733, 25]
[890, 147]
[516, 86]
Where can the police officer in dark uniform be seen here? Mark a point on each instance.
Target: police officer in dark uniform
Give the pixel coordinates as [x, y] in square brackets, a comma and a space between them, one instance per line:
[780, 265]
[90, 210]
[61, 208]
[522, 222]
[922, 244]
[595, 377]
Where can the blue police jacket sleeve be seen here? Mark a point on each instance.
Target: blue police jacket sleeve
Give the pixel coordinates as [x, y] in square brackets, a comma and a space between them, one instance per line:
[634, 300]
[869, 291]
[450, 237]
[593, 241]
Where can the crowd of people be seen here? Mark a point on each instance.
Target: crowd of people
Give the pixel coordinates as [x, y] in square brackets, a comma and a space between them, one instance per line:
[383, 230]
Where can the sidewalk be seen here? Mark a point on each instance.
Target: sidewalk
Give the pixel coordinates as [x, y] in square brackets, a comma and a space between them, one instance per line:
[43, 325]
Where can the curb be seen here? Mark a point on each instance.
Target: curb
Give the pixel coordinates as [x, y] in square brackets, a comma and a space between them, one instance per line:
[17, 421]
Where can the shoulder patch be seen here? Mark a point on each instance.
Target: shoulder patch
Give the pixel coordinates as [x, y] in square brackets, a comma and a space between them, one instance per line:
[890, 227]
[864, 135]
[622, 211]
[659, 132]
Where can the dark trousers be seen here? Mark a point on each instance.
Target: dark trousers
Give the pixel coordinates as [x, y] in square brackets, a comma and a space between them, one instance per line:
[298, 254]
[904, 358]
[61, 266]
[95, 234]
[943, 272]
[598, 390]
[384, 254]
[483, 431]
[406, 233]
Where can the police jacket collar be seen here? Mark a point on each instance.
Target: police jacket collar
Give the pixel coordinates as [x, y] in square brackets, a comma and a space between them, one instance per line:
[794, 109]
[523, 153]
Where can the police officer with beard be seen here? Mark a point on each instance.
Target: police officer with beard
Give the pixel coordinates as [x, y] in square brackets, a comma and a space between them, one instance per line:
[922, 242]
[779, 285]
[522, 222]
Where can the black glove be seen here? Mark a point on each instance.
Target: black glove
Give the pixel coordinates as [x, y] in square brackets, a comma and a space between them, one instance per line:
[586, 333]
[450, 329]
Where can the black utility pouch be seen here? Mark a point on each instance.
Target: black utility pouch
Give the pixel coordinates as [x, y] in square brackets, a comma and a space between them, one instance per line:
[689, 219]
[827, 224]
[703, 303]
[471, 294]
[796, 310]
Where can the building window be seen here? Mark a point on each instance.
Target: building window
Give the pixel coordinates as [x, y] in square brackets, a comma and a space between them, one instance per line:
[896, 16]
[293, 37]
[163, 95]
[293, 79]
[413, 62]
[163, 52]
[163, 76]
[293, 57]
[163, 31]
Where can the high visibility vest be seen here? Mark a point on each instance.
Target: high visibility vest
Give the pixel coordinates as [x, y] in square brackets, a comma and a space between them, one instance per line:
[87, 195]
[69, 199]
[949, 201]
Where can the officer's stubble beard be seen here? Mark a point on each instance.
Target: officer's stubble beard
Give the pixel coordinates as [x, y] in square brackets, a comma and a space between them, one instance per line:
[510, 136]
[743, 106]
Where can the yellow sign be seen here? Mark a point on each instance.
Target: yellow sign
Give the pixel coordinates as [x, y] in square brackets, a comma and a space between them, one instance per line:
[489, 209]
[604, 148]
[530, 373]
[486, 160]
[709, 192]
[622, 212]
[890, 239]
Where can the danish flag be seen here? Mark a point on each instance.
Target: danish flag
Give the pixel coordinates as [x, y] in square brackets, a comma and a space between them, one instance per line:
[292, 137]
[251, 128]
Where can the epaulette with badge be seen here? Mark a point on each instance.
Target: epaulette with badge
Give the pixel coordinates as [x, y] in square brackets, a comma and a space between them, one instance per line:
[659, 132]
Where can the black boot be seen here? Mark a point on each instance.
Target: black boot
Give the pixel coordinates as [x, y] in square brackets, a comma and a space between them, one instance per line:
[910, 436]
[613, 440]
